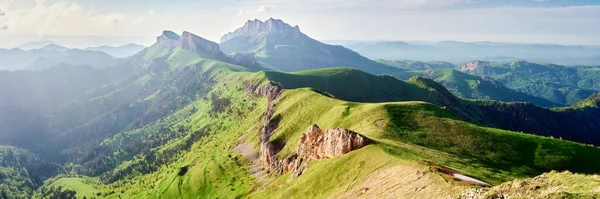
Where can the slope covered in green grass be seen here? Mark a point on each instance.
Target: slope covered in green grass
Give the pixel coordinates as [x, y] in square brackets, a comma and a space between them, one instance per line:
[475, 87]
[569, 123]
[410, 138]
[559, 84]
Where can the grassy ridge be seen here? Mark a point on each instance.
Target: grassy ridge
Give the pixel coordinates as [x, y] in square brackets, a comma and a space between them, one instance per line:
[407, 136]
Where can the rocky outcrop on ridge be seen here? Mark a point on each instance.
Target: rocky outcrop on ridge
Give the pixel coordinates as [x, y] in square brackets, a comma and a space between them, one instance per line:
[318, 144]
[315, 144]
[472, 65]
[194, 42]
[168, 38]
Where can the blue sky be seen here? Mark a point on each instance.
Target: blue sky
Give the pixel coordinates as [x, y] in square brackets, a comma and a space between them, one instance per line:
[74, 22]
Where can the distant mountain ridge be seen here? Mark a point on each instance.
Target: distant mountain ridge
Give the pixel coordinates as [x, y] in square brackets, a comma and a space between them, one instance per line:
[460, 52]
[118, 51]
[559, 84]
[50, 56]
[42, 55]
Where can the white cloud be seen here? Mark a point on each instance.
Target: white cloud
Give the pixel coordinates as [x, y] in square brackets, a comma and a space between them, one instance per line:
[260, 9]
[68, 18]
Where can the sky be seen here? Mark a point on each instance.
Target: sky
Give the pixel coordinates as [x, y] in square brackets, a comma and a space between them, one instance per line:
[81, 23]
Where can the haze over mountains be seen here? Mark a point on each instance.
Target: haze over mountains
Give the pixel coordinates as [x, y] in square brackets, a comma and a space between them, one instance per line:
[272, 113]
[461, 52]
[45, 54]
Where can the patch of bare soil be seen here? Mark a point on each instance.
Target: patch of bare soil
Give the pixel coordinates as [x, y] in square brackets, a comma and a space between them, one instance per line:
[256, 169]
[402, 181]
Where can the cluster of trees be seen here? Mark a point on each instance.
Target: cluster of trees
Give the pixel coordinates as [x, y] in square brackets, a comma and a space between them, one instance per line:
[22, 172]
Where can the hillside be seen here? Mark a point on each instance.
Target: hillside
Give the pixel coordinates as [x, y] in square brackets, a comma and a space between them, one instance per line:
[22, 172]
[481, 88]
[279, 46]
[185, 120]
[569, 123]
[411, 137]
[559, 84]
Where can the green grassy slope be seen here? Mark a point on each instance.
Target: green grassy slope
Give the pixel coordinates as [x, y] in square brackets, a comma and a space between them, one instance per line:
[569, 123]
[475, 87]
[411, 137]
[560, 84]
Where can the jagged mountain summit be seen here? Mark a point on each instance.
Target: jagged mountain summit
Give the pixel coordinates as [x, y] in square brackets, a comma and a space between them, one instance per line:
[269, 27]
[281, 46]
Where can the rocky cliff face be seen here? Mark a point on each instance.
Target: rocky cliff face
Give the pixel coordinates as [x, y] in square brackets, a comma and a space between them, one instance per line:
[168, 38]
[194, 42]
[472, 65]
[318, 144]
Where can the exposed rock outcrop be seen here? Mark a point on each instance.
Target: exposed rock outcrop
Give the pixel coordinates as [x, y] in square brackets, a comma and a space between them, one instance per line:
[318, 144]
[268, 151]
[168, 38]
[473, 65]
[195, 42]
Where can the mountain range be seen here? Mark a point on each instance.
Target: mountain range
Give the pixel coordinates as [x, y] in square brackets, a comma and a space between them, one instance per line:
[559, 84]
[51, 55]
[462, 52]
[190, 118]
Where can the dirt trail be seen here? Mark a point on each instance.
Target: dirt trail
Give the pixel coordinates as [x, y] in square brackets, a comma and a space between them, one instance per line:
[251, 155]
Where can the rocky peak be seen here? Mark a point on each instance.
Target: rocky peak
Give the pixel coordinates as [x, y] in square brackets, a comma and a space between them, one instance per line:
[194, 42]
[168, 38]
[258, 27]
[473, 65]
